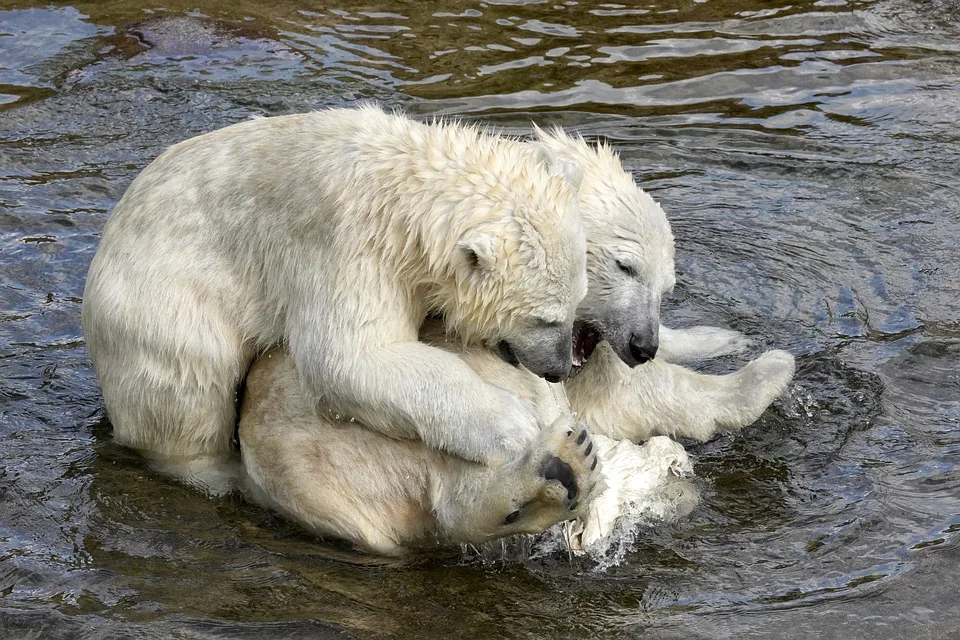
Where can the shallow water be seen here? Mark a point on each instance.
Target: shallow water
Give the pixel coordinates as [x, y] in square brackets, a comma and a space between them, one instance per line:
[807, 154]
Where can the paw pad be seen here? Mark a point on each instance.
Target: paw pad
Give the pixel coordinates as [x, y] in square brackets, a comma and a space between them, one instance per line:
[557, 469]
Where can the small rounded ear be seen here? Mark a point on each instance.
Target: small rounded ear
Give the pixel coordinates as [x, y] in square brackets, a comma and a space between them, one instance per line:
[557, 165]
[480, 252]
[556, 134]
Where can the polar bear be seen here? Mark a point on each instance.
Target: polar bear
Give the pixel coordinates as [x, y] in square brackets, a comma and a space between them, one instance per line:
[630, 249]
[335, 233]
[632, 385]
[388, 496]
[339, 479]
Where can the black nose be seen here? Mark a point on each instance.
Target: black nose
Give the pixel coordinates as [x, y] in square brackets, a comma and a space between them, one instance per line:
[643, 349]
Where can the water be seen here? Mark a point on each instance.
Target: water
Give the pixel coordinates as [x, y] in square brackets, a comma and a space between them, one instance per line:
[807, 153]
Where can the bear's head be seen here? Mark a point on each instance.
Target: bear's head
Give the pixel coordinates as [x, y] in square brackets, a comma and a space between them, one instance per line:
[519, 269]
[630, 252]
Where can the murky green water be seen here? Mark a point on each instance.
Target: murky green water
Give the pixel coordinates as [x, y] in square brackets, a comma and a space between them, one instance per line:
[808, 155]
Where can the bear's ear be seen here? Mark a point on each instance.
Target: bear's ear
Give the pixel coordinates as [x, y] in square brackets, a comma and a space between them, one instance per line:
[479, 252]
[559, 165]
[539, 133]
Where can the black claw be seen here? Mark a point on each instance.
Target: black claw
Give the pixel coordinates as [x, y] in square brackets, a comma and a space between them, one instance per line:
[583, 436]
[557, 469]
[594, 465]
[589, 449]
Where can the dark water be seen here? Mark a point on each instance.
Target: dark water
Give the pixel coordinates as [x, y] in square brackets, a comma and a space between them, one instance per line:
[808, 155]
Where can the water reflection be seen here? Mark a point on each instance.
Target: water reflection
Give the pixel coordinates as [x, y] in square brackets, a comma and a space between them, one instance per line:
[806, 153]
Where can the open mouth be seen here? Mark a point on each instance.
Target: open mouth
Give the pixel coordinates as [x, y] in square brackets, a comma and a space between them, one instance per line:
[585, 341]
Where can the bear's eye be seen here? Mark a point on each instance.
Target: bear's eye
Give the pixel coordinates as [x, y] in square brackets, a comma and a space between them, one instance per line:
[510, 519]
[627, 269]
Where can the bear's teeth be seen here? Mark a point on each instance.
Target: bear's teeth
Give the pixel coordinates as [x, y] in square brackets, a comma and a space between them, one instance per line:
[577, 359]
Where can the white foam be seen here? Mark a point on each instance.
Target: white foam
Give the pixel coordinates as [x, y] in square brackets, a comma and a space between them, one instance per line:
[645, 485]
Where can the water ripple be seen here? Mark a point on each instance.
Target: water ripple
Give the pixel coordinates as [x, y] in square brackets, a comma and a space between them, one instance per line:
[806, 155]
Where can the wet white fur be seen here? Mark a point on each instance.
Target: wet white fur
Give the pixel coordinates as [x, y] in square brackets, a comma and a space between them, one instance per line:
[334, 233]
[387, 496]
[616, 401]
[661, 397]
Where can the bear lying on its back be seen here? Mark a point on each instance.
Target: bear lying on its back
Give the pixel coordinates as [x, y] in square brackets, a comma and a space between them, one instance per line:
[334, 233]
[387, 496]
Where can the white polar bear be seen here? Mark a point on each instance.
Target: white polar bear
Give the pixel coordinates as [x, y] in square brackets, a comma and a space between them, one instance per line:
[630, 249]
[334, 233]
[386, 495]
[630, 265]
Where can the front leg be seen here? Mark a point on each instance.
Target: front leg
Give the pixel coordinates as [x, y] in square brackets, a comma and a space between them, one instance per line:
[699, 343]
[378, 374]
[660, 398]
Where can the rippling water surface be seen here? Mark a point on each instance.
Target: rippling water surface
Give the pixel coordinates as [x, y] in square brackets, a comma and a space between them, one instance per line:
[807, 153]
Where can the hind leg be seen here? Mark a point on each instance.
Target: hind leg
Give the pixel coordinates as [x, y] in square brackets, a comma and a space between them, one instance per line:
[699, 343]
[551, 484]
[171, 395]
[182, 424]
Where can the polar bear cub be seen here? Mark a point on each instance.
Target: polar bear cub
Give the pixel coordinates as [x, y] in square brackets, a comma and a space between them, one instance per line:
[387, 496]
[630, 249]
[335, 233]
[631, 385]
[339, 479]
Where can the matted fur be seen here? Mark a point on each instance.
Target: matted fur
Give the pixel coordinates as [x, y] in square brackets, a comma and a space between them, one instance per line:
[385, 495]
[334, 233]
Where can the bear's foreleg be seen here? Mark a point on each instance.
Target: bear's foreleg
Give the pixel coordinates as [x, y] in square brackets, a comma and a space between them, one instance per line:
[660, 398]
[699, 343]
[414, 391]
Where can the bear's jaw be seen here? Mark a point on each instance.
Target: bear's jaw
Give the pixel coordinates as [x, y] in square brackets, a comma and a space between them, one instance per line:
[585, 340]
